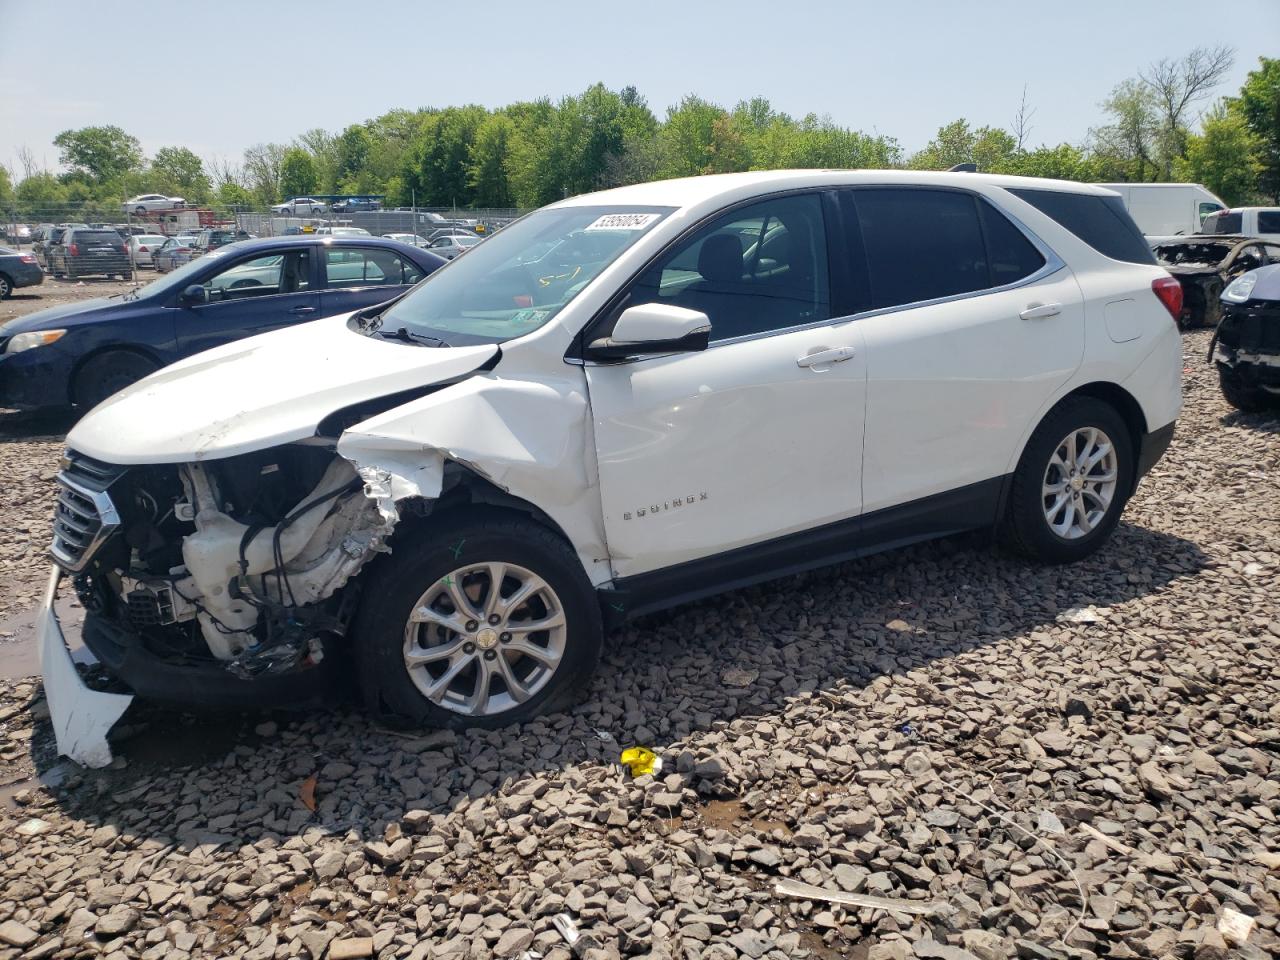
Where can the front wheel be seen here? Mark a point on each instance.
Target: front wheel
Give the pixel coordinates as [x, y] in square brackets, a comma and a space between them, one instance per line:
[1071, 484]
[482, 619]
[6, 287]
[1244, 398]
[109, 373]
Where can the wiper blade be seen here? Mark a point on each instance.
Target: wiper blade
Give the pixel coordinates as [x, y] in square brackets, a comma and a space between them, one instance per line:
[406, 335]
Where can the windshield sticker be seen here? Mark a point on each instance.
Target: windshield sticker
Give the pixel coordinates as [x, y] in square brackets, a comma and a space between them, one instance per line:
[527, 318]
[623, 221]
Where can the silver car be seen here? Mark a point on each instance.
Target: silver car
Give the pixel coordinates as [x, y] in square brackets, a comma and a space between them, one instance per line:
[453, 245]
[143, 247]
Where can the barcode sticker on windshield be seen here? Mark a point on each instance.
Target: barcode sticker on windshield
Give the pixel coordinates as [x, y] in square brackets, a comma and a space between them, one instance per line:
[623, 221]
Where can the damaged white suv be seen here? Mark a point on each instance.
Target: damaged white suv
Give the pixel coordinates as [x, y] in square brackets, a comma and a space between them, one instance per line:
[621, 402]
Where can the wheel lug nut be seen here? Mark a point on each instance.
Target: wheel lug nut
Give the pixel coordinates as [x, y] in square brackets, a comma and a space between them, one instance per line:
[471, 625]
[468, 648]
[494, 620]
[505, 637]
[490, 655]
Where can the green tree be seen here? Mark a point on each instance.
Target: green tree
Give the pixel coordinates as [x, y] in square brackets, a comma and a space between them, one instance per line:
[1259, 105]
[487, 165]
[262, 168]
[100, 154]
[1129, 147]
[39, 190]
[1223, 156]
[991, 148]
[297, 173]
[6, 188]
[178, 170]
[688, 137]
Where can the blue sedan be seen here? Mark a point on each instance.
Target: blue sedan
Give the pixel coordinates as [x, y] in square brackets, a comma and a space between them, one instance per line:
[80, 354]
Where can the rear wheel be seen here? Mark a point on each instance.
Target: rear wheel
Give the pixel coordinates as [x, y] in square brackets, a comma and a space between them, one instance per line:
[1243, 397]
[109, 373]
[6, 287]
[483, 620]
[141, 211]
[1071, 483]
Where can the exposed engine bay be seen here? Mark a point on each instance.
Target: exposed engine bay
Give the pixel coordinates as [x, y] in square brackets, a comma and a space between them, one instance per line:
[241, 561]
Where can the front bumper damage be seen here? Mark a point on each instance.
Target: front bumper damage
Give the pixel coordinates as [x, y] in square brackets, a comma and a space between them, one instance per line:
[81, 716]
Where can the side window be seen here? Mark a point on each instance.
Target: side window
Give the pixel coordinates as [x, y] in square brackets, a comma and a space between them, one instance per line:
[757, 269]
[1269, 221]
[1205, 208]
[358, 267]
[261, 277]
[920, 244]
[1010, 255]
[1101, 222]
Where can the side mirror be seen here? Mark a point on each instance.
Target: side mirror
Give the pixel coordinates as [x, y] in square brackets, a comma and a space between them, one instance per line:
[653, 328]
[196, 293]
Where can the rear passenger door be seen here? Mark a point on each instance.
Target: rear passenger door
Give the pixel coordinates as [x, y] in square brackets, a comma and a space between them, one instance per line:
[974, 326]
[358, 277]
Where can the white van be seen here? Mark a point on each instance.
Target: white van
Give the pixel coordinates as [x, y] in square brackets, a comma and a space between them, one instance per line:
[1163, 210]
[1263, 222]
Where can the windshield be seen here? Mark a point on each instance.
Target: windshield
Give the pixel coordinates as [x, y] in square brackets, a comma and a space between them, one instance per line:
[181, 278]
[520, 278]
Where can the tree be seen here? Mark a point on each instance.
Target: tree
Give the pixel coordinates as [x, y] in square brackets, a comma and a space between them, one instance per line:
[688, 137]
[178, 170]
[40, 190]
[262, 164]
[1175, 86]
[99, 154]
[1128, 145]
[1259, 106]
[487, 166]
[991, 148]
[1224, 157]
[6, 187]
[297, 173]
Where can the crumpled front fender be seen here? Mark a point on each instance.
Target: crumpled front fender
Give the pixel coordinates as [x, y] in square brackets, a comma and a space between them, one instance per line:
[531, 438]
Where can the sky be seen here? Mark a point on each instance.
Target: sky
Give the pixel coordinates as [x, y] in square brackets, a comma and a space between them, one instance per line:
[219, 76]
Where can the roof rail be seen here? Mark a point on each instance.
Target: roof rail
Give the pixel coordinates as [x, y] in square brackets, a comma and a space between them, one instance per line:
[964, 168]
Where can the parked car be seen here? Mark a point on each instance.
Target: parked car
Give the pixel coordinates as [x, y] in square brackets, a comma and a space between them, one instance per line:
[759, 374]
[89, 350]
[356, 203]
[1163, 210]
[148, 202]
[449, 232]
[142, 248]
[451, 245]
[1204, 265]
[42, 238]
[1246, 345]
[18, 233]
[1261, 222]
[410, 238]
[173, 253]
[299, 207]
[18, 269]
[214, 237]
[87, 252]
[342, 232]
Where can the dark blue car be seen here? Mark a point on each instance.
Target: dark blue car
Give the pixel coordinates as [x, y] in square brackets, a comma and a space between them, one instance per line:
[82, 353]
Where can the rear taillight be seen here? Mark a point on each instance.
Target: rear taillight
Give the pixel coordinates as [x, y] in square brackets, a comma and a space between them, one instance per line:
[27, 258]
[183, 250]
[142, 249]
[73, 250]
[1169, 292]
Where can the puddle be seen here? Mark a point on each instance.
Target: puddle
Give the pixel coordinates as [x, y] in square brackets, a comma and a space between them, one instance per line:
[19, 657]
[729, 814]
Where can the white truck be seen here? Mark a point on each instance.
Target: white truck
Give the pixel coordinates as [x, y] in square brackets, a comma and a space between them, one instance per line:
[1164, 210]
[1262, 222]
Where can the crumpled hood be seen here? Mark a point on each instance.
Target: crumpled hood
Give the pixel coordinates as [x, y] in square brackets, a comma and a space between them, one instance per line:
[67, 315]
[256, 393]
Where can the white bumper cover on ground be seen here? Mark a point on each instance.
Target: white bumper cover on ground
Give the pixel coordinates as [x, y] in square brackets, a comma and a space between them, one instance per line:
[81, 717]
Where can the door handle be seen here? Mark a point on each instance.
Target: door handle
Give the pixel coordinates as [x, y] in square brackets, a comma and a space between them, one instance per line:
[1039, 311]
[303, 310]
[834, 355]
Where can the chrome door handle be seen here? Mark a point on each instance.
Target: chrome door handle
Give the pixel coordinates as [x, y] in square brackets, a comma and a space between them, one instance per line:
[1039, 311]
[834, 355]
[304, 310]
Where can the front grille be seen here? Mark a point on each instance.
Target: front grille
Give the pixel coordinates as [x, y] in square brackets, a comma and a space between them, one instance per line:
[84, 516]
[1253, 328]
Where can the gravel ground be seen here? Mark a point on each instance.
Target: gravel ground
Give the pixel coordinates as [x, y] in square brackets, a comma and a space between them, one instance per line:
[976, 738]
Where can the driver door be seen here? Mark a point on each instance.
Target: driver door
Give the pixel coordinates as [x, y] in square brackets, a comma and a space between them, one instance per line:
[248, 295]
[760, 435]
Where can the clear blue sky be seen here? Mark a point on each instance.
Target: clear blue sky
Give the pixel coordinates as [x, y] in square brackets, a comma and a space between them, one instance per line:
[247, 72]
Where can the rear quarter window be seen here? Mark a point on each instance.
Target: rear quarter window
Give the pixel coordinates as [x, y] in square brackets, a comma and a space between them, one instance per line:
[1224, 222]
[97, 236]
[1269, 221]
[1101, 222]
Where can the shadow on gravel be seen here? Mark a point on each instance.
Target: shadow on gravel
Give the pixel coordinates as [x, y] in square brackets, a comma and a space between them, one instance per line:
[1259, 422]
[36, 425]
[216, 780]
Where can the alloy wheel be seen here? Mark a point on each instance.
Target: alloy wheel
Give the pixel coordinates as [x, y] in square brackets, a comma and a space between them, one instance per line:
[485, 638]
[1080, 482]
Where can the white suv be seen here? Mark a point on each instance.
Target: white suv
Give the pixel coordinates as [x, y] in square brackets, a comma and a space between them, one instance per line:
[619, 403]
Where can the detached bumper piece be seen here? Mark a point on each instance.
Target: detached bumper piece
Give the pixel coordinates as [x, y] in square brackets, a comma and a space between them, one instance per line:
[1154, 444]
[81, 717]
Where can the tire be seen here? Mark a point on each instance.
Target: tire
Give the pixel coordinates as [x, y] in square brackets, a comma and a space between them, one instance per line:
[109, 373]
[6, 287]
[457, 551]
[1244, 398]
[1104, 490]
[141, 211]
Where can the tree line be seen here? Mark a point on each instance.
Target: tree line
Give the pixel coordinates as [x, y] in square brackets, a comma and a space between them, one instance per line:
[1165, 123]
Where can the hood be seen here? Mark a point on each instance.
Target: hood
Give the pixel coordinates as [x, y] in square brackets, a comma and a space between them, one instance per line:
[67, 315]
[256, 393]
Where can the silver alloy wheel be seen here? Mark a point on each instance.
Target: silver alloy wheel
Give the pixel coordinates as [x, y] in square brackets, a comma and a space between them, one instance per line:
[1080, 482]
[4, 287]
[485, 638]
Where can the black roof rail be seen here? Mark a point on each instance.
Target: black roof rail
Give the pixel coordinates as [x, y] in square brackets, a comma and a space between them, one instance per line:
[963, 168]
